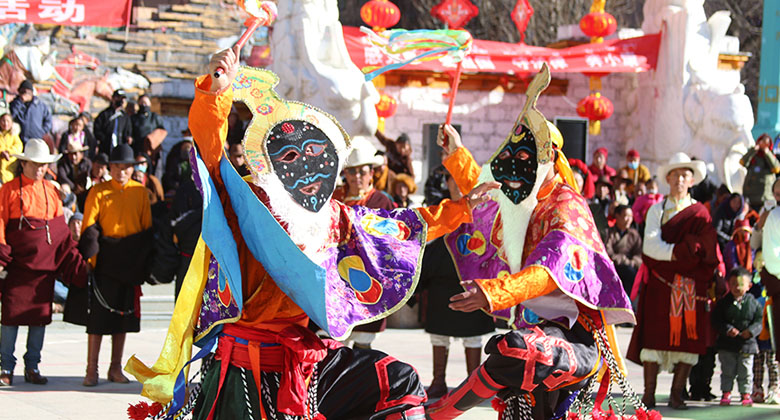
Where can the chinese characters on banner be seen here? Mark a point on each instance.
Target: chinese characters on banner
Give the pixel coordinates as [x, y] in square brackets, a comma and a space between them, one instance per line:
[105, 13]
[613, 56]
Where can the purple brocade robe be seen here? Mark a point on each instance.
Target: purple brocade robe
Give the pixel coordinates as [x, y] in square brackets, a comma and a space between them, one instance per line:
[563, 240]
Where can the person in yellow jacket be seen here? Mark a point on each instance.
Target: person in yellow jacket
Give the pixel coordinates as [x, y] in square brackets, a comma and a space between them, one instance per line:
[10, 144]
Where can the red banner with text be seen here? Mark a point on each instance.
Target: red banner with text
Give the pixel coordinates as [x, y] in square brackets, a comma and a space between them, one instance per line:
[612, 56]
[106, 13]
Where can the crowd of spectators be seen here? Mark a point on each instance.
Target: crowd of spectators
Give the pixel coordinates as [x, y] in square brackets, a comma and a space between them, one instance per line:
[98, 200]
[106, 187]
[620, 201]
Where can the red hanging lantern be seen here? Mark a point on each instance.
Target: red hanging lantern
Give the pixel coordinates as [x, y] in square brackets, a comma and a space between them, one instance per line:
[380, 14]
[386, 106]
[455, 13]
[598, 24]
[521, 15]
[595, 108]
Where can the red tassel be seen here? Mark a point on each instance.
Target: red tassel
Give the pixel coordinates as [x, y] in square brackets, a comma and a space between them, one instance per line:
[319, 416]
[611, 415]
[598, 414]
[628, 417]
[498, 405]
[155, 409]
[139, 411]
[573, 416]
[143, 410]
[641, 414]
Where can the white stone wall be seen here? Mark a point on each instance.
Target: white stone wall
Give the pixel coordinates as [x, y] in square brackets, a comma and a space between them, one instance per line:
[487, 117]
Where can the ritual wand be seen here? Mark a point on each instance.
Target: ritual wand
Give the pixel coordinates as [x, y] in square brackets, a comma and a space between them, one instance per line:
[406, 47]
[260, 14]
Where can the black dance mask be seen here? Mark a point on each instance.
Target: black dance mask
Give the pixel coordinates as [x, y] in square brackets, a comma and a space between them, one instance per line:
[515, 165]
[305, 161]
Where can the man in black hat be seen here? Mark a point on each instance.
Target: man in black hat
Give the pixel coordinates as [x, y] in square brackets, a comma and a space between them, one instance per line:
[116, 238]
[112, 125]
[31, 113]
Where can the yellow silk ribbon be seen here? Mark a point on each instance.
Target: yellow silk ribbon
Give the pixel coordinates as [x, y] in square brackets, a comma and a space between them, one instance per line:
[158, 381]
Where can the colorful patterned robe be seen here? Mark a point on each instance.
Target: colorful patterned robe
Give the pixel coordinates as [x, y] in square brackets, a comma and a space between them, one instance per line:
[561, 242]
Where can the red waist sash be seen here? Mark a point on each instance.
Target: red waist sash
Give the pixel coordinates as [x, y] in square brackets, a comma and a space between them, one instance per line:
[294, 352]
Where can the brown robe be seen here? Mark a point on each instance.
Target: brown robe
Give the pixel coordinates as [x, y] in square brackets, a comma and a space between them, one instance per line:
[696, 257]
[32, 265]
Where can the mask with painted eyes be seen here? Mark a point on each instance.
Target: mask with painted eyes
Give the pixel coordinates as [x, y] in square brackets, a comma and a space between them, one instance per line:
[305, 160]
[515, 166]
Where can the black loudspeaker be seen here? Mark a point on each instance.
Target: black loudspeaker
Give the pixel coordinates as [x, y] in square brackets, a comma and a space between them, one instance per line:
[431, 150]
[575, 136]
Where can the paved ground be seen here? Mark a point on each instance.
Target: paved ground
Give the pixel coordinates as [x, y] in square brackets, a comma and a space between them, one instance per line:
[64, 364]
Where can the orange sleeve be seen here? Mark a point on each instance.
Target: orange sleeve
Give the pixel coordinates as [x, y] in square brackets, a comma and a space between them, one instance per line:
[5, 198]
[208, 121]
[91, 209]
[464, 169]
[508, 291]
[445, 217]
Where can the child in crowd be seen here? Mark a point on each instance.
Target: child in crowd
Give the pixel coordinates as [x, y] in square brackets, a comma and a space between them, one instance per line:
[737, 319]
[643, 202]
[737, 251]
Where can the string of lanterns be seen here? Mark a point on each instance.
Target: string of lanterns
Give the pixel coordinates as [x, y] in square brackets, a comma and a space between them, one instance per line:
[380, 15]
[597, 24]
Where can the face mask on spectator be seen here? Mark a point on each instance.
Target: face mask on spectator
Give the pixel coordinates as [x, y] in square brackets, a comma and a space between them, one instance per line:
[143, 109]
[141, 168]
[633, 165]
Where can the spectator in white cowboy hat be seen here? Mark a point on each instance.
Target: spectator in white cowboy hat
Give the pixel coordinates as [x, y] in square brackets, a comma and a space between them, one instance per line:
[73, 171]
[35, 246]
[358, 172]
[680, 254]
